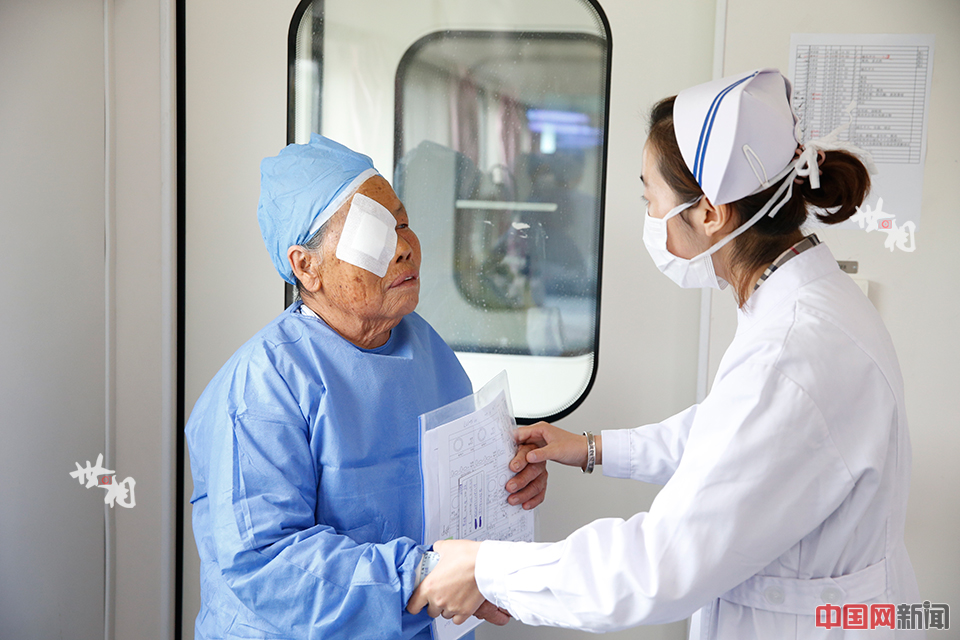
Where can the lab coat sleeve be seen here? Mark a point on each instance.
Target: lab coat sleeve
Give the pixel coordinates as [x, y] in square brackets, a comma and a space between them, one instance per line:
[650, 453]
[299, 575]
[759, 472]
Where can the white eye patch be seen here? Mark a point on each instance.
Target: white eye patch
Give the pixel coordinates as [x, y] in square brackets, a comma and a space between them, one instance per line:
[369, 237]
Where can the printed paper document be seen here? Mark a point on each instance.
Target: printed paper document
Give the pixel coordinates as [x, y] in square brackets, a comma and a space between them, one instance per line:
[466, 448]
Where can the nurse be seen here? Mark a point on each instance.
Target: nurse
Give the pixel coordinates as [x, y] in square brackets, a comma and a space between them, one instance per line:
[786, 488]
[304, 447]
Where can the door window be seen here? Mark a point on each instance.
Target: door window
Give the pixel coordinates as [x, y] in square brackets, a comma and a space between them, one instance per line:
[491, 119]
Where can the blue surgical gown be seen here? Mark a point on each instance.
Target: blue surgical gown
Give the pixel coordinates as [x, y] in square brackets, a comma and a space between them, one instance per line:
[307, 504]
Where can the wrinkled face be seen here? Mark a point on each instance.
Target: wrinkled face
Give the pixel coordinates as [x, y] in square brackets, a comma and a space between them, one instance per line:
[682, 238]
[360, 293]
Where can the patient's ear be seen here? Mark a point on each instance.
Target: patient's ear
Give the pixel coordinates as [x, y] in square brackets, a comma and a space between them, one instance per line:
[306, 268]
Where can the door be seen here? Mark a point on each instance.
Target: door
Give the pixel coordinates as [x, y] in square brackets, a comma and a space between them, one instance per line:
[237, 68]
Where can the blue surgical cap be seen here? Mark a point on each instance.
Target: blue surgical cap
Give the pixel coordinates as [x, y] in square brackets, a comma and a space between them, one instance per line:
[301, 188]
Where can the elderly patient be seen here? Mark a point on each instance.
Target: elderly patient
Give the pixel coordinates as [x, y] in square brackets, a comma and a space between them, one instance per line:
[307, 504]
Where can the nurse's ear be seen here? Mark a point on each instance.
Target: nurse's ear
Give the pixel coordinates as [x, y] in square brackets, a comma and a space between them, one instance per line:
[306, 267]
[717, 220]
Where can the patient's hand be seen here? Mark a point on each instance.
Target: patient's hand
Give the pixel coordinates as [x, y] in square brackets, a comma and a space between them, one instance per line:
[529, 486]
[492, 614]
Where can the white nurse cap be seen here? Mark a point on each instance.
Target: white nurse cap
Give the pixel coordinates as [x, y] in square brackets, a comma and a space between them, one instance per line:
[736, 134]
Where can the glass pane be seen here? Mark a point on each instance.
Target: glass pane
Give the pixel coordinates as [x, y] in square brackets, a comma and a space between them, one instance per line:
[516, 119]
[491, 117]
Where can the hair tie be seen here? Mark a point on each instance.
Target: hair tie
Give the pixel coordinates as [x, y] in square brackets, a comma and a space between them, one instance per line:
[807, 167]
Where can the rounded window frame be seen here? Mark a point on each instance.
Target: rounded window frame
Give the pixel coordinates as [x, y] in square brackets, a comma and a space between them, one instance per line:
[602, 24]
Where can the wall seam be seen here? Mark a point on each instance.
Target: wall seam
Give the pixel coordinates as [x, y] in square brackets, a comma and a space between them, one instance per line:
[110, 307]
[706, 295]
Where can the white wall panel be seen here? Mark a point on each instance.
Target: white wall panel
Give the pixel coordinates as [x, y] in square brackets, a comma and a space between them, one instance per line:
[52, 322]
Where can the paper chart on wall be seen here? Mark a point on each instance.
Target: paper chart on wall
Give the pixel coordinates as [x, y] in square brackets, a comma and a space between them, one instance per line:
[888, 78]
[466, 448]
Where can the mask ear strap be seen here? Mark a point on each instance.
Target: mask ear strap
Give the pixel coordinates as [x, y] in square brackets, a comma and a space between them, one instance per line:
[681, 208]
[774, 204]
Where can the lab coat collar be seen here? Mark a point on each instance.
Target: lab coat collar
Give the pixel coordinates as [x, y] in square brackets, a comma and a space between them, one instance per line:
[783, 284]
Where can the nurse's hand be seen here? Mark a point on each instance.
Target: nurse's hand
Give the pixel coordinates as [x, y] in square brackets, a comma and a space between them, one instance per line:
[529, 485]
[553, 443]
[451, 588]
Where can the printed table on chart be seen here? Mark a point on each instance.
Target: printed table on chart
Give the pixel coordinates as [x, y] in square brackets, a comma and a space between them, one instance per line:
[888, 84]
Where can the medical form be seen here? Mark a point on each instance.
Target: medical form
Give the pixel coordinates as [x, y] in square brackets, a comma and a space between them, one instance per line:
[466, 448]
[886, 78]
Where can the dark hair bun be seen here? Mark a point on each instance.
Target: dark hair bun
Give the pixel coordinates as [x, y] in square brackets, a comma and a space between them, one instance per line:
[844, 183]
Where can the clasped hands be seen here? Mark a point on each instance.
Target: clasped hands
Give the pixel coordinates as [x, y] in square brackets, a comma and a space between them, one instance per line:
[451, 588]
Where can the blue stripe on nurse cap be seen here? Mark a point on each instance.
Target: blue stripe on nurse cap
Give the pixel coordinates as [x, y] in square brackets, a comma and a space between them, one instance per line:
[715, 121]
[301, 188]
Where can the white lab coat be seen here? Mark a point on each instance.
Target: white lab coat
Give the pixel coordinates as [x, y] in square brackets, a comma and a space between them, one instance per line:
[786, 487]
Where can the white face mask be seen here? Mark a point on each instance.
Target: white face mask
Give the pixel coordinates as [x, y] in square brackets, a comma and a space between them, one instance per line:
[697, 272]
